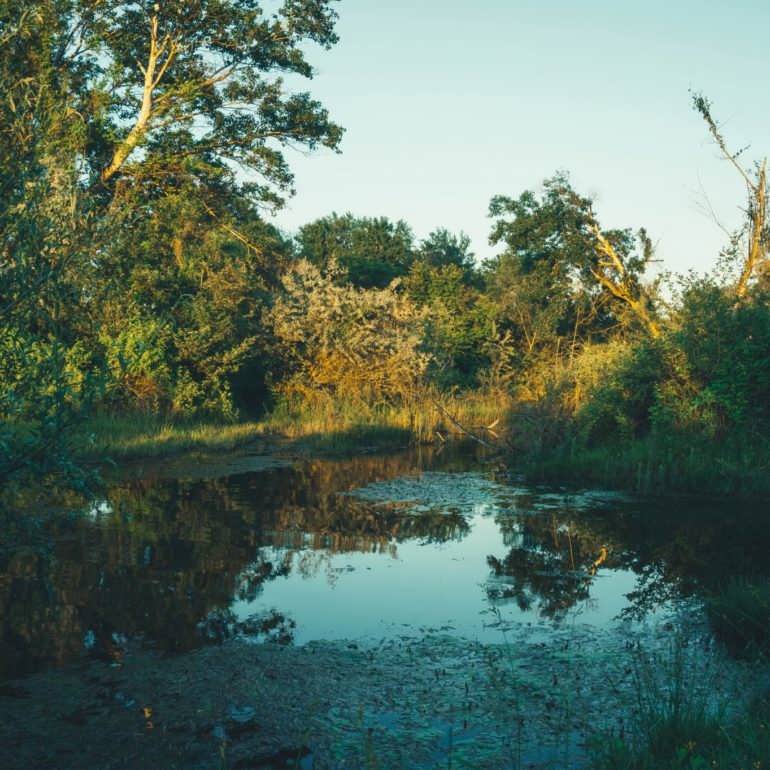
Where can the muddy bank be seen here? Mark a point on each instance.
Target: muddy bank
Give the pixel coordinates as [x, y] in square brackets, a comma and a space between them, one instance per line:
[410, 702]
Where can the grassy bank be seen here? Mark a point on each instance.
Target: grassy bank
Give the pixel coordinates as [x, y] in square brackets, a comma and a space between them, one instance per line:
[653, 465]
[432, 417]
[323, 427]
[656, 465]
[123, 437]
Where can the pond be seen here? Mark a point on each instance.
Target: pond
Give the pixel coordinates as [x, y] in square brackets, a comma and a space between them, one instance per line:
[372, 550]
[356, 549]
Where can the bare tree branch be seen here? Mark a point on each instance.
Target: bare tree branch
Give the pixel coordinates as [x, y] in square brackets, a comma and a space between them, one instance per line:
[619, 284]
[757, 195]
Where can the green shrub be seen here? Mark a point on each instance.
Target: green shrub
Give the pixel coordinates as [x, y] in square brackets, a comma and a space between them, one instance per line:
[136, 359]
[44, 388]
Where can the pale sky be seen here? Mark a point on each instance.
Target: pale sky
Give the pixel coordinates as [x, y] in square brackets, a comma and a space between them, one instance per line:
[447, 103]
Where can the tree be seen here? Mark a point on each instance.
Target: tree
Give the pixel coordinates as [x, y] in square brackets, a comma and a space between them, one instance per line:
[442, 248]
[176, 99]
[139, 143]
[371, 251]
[560, 275]
[44, 238]
[757, 227]
[459, 323]
[619, 274]
[179, 89]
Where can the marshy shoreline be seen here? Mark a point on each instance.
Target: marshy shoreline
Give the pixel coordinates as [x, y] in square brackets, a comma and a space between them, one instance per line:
[663, 466]
[431, 701]
[558, 693]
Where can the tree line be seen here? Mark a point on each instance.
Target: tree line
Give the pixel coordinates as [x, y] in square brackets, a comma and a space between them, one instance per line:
[142, 148]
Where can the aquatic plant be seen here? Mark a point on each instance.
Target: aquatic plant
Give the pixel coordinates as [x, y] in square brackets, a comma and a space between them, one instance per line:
[681, 722]
[740, 615]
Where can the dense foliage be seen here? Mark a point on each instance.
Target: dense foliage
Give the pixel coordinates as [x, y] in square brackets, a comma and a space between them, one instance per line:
[141, 144]
[135, 264]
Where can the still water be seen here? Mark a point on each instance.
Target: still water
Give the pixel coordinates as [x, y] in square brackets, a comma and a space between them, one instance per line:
[358, 549]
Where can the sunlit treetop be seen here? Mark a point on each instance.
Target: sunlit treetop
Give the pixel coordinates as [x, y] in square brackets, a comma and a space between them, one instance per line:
[177, 90]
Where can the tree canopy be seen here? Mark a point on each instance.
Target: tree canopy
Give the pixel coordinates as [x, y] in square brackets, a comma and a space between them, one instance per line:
[372, 251]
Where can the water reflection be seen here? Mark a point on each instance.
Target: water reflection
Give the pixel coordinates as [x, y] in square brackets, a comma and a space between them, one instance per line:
[157, 555]
[177, 561]
[551, 563]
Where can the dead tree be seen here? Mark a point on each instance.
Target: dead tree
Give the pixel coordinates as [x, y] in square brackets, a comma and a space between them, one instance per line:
[756, 189]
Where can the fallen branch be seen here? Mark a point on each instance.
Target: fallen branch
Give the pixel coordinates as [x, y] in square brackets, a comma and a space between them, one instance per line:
[462, 428]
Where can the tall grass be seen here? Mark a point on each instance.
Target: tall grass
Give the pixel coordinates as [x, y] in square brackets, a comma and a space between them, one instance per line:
[740, 617]
[430, 417]
[693, 743]
[680, 724]
[127, 436]
[323, 425]
[671, 707]
[655, 465]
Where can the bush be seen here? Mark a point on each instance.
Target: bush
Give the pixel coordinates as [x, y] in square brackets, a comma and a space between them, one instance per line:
[459, 325]
[716, 376]
[44, 387]
[347, 343]
[136, 359]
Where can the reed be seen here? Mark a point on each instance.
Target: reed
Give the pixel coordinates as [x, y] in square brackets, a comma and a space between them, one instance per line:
[681, 724]
[432, 416]
[659, 465]
[323, 425]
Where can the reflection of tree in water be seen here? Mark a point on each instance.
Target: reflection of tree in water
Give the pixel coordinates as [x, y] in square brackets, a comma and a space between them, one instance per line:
[156, 557]
[351, 525]
[551, 562]
[685, 548]
[676, 549]
[309, 540]
[153, 563]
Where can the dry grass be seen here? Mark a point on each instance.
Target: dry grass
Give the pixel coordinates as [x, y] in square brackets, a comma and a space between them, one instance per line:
[431, 417]
[131, 436]
[324, 425]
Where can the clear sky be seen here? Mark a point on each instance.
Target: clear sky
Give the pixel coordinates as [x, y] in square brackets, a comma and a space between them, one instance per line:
[447, 103]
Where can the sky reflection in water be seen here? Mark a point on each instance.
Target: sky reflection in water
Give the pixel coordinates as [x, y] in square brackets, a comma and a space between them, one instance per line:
[349, 549]
[442, 581]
